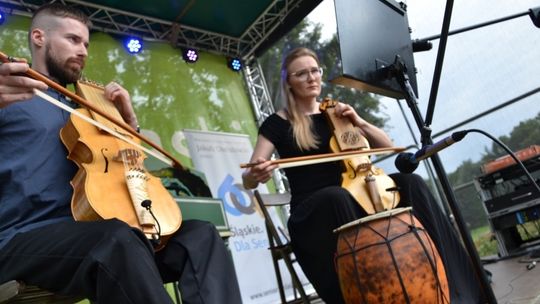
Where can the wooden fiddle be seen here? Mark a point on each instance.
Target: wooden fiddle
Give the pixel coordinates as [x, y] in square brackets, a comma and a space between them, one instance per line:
[112, 181]
[370, 186]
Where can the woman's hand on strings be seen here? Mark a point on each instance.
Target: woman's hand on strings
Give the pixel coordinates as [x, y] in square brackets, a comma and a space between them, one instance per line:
[345, 110]
[376, 136]
[120, 97]
[15, 87]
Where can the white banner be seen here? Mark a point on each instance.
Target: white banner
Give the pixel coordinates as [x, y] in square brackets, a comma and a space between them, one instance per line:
[218, 156]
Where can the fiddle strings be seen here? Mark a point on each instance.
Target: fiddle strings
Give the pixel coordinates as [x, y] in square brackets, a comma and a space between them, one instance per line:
[95, 92]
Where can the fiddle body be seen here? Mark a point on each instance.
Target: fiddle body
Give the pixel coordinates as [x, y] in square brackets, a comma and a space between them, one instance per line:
[111, 181]
[370, 186]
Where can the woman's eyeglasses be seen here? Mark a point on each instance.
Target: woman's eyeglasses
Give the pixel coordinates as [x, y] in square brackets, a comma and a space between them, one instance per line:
[302, 75]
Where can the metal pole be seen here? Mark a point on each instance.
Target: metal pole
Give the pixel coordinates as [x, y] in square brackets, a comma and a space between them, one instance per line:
[443, 179]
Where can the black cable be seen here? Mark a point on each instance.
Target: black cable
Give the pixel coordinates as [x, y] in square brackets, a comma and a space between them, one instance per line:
[147, 204]
[157, 222]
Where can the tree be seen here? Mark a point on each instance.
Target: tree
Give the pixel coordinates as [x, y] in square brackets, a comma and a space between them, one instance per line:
[525, 134]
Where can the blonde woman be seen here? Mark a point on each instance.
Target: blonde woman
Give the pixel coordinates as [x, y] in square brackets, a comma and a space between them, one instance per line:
[319, 204]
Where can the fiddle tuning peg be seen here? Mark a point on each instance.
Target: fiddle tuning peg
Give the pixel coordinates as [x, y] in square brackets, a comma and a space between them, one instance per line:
[89, 82]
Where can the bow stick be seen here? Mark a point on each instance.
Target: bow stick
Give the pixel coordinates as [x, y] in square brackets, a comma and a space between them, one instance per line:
[326, 157]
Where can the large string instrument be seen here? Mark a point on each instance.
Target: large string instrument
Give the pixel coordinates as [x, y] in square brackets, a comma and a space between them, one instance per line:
[112, 181]
[370, 186]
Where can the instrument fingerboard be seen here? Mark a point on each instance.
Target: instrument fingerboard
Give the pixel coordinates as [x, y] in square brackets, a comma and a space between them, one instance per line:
[348, 137]
[95, 94]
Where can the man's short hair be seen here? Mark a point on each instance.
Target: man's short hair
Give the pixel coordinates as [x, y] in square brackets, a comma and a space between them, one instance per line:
[64, 11]
[56, 10]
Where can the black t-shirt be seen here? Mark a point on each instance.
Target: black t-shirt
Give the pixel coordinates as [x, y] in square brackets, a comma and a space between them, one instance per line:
[303, 180]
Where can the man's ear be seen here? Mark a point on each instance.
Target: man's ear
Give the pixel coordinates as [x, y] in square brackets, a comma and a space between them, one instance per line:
[37, 36]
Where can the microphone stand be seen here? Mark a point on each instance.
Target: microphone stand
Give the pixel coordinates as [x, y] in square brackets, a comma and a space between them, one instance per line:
[399, 72]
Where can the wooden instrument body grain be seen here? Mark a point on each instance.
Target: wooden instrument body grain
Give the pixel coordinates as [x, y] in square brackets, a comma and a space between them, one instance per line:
[101, 186]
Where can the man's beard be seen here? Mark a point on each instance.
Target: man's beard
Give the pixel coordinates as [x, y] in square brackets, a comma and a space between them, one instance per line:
[60, 71]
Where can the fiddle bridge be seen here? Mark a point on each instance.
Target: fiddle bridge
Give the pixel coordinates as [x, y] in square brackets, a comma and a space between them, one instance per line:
[361, 168]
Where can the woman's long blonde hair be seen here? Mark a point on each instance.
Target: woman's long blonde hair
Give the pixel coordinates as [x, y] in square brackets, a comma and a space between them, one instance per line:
[302, 124]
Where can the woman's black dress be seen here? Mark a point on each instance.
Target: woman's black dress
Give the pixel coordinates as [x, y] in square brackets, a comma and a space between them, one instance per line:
[319, 205]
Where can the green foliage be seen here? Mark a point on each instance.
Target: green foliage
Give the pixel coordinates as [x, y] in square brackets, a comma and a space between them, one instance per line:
[525, 134]
[308, 34]
[484, 241]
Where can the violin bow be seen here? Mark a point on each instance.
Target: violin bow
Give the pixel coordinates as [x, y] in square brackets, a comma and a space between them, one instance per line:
[81, 101]
[326, 157]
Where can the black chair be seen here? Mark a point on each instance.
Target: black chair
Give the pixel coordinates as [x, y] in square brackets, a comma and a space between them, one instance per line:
[18, 292]
[280, 248]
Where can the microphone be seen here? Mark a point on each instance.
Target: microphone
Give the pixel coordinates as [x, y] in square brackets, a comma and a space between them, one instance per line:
[147, 204]
[408, 162]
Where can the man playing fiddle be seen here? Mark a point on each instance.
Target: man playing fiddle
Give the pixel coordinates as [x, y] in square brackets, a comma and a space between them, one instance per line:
[40, 243]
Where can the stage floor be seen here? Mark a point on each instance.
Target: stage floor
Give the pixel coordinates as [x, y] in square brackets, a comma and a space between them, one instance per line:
[513, 283]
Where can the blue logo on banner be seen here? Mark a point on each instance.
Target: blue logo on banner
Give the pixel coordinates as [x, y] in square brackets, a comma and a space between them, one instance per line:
[238, 201]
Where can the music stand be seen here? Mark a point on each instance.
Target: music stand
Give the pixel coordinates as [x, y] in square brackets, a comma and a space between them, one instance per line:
[377, 56]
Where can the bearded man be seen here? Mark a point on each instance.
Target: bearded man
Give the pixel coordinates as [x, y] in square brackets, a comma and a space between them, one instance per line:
[40, 243]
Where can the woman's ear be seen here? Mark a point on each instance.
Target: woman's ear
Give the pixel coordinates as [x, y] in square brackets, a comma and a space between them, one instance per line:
[290, 89]
[288, 86]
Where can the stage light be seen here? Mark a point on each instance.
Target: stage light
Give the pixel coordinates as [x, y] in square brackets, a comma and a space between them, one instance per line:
[133, 45]
[190, 55]
[2, 18]
[234, 64]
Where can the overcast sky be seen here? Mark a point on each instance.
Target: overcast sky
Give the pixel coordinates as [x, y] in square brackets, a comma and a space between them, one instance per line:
[483, 68]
